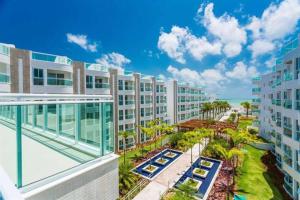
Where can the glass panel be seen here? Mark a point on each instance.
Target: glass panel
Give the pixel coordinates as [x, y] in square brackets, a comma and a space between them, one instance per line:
[67, 120]
[52, 117]
[39, 116]
[89, 124]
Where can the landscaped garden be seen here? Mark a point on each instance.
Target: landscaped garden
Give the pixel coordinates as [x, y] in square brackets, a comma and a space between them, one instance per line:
[243, 171]
[253, 180]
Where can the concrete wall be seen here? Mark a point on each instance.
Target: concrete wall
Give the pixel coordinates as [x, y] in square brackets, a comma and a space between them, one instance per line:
[20, 59]
[98, 181]
[78, 78]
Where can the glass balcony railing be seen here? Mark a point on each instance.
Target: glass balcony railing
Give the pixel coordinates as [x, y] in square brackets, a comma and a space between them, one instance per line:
[273, 101]
[96, 67]
[59, 81]
[129, 102]
[4, 50]
[297, 136]
[278, 102]
[288, 76]
[38, 81]
[287, 103]
[35, 134]
[257, 78]
[51, 58]
[256, 90]
[277, 82]
[129, 116]
[297, 104]
[4, 78]
[129, 87]
[256, 100]
[101, 85]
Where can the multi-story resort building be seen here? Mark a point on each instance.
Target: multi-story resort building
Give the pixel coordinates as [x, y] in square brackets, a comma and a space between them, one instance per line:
[60, 121]
[277, 107]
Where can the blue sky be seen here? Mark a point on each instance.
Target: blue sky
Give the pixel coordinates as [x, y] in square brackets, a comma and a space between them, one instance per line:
[217, 44]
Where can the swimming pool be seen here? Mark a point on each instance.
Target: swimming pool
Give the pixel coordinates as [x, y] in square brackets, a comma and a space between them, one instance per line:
[205, 181]
[156, 164]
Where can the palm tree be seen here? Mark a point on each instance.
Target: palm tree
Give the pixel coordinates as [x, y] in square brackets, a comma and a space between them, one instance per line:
[164, 128]
[206, 107]
[246, 106]
[125, 135]
[126, 178]
[231, 157]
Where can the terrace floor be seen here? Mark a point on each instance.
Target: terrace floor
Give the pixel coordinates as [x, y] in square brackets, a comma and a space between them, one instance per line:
[39, 161]
[167, 179]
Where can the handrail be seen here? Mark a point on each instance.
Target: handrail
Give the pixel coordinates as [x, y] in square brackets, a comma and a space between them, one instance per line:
[132, 193]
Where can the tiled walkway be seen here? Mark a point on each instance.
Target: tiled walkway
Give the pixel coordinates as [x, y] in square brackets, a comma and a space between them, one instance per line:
[167, 179]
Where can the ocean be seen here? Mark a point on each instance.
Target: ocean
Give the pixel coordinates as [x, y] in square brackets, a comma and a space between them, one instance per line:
[236, 102]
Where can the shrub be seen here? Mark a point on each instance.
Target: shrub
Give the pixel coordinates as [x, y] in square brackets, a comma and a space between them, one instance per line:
[253, 131]
[174, 138]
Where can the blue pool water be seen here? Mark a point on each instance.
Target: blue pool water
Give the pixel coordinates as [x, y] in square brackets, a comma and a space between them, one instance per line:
[205, 181]
[139, 169]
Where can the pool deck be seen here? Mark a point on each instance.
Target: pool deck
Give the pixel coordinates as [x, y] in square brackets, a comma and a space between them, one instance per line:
[167, 179]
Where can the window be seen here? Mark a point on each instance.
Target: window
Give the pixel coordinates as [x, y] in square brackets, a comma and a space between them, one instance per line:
[120, 100]
[89, 82]
[142, 112]
[121, 117]
[157, 99]
[120, 127]
[38, 76]
[120, 85]
[142, 87]
[142, 99]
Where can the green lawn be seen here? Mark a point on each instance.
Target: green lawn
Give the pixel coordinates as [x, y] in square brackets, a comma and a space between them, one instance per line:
[130, 155]
[243, 123]
[254, 182]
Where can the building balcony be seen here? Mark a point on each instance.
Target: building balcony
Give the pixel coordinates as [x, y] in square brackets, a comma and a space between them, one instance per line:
[256, 80]
[4, 50]
[297, 105]
[44, 135]
[102, 85]
[287, 103]
[59, 81]
[278, 102]
[288, 76]
[4, 78]
[96, 67]
[51, 58]
[256, 91]
[129, 102]
[256, 100]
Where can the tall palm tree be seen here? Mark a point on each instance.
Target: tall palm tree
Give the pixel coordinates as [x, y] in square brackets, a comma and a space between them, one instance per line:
[246, 105]
[230, 156]
[125, 135]
[206, 107]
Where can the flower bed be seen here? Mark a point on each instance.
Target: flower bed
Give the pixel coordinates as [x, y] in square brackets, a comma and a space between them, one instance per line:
[206, 163]
[170, 154]
[150, 168]
[161, 161]
[200, 172]
[193, 183]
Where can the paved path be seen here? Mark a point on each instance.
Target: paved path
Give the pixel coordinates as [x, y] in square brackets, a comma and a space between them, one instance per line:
[169, 176]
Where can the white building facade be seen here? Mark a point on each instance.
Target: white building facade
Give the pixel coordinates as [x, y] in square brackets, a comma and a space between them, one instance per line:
[278, 106]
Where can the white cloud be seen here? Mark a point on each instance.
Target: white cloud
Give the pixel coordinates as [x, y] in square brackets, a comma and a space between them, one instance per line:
[242, 72]
[260, 47]
[271, 62]
[173, 43]
[276, 22]
[221, 66]
[181, 41]
[227, 29]
[82, 41]
[114, 60]
[212, 79]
